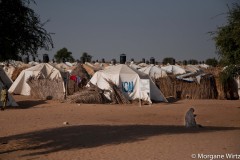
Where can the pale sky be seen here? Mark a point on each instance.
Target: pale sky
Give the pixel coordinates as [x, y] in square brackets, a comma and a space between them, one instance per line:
[138, 28]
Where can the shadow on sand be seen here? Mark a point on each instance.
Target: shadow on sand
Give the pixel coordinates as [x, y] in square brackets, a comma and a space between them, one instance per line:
[89, 136]
[28, 104]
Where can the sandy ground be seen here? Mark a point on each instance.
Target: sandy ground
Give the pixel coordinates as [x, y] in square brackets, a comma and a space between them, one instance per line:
[35, 130]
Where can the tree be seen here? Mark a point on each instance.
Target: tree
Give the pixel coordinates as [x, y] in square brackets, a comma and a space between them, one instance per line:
[63, 55]
[85, 57]
[227, 41]
[212, 62]
[227, 38]
[169, 60]
[21, 32]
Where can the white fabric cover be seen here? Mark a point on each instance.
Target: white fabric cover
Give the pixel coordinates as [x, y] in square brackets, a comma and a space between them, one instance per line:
[128, 80]
[43, 70]
[237, 79]
[154, 71]
[174, 69]
[9, 71]
[192, 68]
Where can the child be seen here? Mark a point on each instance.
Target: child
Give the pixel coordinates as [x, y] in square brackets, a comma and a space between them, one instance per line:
[4, 97]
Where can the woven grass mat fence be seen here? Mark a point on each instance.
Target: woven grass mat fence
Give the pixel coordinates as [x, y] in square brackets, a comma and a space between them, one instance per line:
[172, 87]
[46, 88]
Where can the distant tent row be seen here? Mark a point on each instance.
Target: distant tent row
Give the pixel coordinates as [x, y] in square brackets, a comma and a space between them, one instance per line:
[171, 80]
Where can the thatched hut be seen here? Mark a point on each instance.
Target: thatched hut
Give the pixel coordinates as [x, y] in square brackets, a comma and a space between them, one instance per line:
[77, 80]
[173, 87]
[227, 90]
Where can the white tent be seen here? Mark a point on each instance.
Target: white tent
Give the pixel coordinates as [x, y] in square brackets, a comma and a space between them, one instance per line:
[43, 70]
[192, 68]
[63, 67]
[174, 69]
[9, 70]
[154, 71]
[142, 64]
[4, 78]
[237, 79]
[5, 81]
[134, 66]
[204, 66]
[129, 81]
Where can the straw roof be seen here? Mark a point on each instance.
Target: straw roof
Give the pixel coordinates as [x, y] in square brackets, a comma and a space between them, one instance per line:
[78, 71]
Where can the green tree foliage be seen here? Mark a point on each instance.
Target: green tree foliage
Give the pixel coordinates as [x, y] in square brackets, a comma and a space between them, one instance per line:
[21, 32]
[86, 57]
[227, 41]
[63, 55]
[212, 62]
[227, 38]
[169, 60]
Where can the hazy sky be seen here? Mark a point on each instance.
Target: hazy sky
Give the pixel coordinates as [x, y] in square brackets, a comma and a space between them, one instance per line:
[138, 28]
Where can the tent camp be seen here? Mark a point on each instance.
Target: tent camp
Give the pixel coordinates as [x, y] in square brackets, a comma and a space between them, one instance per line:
[154, 71]
[43, 70]
[133, 84]
[5, 81]
[174, 69]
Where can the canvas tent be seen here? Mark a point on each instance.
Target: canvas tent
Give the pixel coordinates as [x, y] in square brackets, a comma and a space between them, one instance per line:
[129, 81]
[63, 67]
[43, 70]
[174, 69]
[9, 70]
[237, 80]
[5, 81]
[192, 68]
[154, 71]
[132, 65]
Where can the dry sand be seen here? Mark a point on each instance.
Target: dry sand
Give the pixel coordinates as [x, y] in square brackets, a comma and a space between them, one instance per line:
[35, 130]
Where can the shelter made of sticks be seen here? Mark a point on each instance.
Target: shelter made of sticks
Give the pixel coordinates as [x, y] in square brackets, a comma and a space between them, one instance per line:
[46, 88]
[230, 89]
[180, 89]
[79, 80]
[93, 94]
